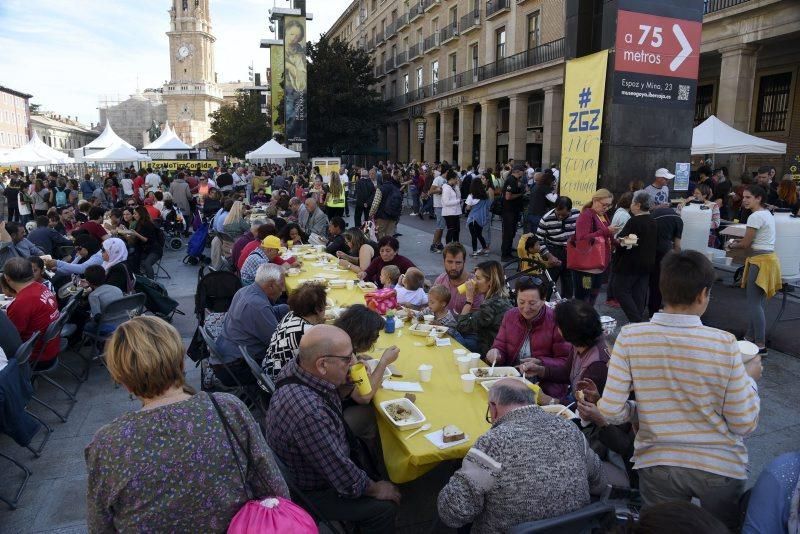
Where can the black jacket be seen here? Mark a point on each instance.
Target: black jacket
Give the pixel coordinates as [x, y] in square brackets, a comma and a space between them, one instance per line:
[364, 191]
[15, 392]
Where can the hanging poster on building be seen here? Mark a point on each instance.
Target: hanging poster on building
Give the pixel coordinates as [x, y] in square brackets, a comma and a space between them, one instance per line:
[276, 89]
[584, 91]
[295, 82]
[682, 172]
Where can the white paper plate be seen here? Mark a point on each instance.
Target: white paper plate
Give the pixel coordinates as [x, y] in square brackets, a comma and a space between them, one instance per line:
[436, 439]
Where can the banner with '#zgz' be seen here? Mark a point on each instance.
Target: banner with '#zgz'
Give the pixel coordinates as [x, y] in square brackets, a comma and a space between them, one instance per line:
[584, 91]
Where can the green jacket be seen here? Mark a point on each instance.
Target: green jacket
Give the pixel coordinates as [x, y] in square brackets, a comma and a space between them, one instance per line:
[485, 321]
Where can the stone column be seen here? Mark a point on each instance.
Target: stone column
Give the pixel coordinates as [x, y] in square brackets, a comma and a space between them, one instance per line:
[517, 126]
[391, 140]
[430, 137]
[415, 145]
[446, 117]
[737, 74]
[488, 154]
[553, 124]
[403, 140]
[466, 114]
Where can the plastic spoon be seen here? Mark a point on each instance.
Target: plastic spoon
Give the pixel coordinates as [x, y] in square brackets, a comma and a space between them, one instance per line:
[423, 428]
[565, 408]
[491, 371]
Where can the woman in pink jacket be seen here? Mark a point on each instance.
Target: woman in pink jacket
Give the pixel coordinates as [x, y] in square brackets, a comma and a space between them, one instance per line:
[528, 332]
[593, 223]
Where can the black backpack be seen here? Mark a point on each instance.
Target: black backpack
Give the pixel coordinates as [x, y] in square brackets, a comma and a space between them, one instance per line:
[393, 207]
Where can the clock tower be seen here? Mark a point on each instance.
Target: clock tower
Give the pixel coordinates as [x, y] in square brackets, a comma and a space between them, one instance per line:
[192, 93]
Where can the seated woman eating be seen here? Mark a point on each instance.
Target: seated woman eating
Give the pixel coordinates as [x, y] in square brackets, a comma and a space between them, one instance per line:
[479, 327]
[579, 324]
[387, 255]
[529, 335]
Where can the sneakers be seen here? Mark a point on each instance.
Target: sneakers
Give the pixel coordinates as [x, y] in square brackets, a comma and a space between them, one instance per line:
[439, 247]
[412, 214]
[476, 254]
[483, 252]
[612, 303]
[434, 249]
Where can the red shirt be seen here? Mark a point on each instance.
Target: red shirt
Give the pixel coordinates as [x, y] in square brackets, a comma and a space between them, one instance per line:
[95, 230]
[138, 182]
[154, 213]
[33, 310]
[248, 248]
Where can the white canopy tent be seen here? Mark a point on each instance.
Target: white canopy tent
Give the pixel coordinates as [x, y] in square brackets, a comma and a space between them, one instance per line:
[168, 140]
[713, 136]
[106, 139]
[33, 153]
[272, 150]
[116, 154]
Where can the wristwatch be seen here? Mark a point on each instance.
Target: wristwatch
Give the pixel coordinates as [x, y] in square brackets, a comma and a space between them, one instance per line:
[553, 401]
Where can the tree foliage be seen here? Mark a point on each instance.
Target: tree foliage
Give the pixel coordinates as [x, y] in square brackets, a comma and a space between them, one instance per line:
[344, 114]
[241, 127]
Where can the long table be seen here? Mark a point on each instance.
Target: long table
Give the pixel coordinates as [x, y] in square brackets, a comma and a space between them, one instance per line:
[443, 402]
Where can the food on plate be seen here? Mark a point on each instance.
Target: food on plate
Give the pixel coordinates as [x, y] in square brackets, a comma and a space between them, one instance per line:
[499, 372]
[367, 286]
[410, 396]
[579, 395]
[399, 413]
[451, 433]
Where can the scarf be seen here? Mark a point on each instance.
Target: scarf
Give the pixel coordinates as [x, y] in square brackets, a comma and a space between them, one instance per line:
[580, 363]
[117, 252]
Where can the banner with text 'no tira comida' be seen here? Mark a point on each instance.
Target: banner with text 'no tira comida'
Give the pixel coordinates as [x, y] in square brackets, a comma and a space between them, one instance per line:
[584, 91]
[276, 89]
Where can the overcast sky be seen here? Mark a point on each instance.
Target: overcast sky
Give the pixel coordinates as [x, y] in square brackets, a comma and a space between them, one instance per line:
[69, 55]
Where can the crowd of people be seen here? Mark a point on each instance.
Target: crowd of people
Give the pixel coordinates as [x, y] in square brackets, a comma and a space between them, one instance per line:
[664, 408]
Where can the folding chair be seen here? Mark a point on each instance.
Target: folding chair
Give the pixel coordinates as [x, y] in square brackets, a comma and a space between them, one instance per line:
[157, 267]
[132, 305]
[240, 390]
[22, 356]
[598, 515]
[263, 381]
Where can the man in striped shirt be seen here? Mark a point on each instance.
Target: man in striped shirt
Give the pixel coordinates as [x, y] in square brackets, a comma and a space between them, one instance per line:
[554, 230]
[695, 400]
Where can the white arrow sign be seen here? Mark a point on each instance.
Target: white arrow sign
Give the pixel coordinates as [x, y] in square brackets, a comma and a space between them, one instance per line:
[686, 48]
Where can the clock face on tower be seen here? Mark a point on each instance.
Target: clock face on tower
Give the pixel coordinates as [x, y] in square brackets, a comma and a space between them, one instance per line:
[185, 51]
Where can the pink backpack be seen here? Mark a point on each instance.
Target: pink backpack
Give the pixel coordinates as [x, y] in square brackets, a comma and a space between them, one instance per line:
[272, 515]
[381, 300]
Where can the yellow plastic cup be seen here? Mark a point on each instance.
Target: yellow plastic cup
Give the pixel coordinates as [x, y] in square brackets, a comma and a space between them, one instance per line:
[289, 243]
[360, 377]
[462, 289]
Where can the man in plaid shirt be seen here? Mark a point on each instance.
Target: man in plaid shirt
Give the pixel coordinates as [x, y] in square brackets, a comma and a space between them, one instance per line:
[305, 428]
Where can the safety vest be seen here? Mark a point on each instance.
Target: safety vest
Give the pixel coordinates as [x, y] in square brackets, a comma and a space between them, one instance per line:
[333, 202]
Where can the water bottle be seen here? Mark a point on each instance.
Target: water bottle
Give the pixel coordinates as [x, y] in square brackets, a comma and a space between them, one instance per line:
[389, 322]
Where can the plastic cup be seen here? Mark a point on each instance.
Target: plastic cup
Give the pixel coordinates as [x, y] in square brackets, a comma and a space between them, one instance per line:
[468, 382]
[463, 364]
[425, 371]
[462, 289]
[475, 358]
[350, 284]
[428, 318]
[748, 350]
[360, 377]
[457, 353]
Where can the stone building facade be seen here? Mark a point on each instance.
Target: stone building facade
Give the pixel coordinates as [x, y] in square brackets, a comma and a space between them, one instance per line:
[62, 133]
[14, 118]
[132, 118]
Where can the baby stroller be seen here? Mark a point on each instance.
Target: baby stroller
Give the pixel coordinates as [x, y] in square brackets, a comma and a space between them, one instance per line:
[215, 291]
[535, 268]
[174, 227]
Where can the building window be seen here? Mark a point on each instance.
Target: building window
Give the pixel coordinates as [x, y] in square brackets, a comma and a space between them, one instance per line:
[419, 80]
[473, 65]
[434, 76]
[503, 119]
[405, 84]
[374, 5]
[535, 113]
[394, 89]
[772, 107]
[704, 104]
[500, 43]
[533, 30]
[453, 15]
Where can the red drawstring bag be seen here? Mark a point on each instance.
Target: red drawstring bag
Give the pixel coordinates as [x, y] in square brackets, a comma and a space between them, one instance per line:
[272, 515]
[381, 300]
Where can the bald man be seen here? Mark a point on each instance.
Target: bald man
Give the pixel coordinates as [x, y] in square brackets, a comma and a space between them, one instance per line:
[306, 429]
[530, 465]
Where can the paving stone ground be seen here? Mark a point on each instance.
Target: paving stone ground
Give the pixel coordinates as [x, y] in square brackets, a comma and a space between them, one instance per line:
[55, 498]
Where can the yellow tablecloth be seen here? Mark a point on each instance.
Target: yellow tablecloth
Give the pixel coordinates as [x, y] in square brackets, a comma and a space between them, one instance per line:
[442, 401]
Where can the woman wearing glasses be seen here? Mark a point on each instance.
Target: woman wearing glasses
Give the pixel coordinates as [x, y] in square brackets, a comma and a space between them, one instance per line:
[593, 224]
[529, 333]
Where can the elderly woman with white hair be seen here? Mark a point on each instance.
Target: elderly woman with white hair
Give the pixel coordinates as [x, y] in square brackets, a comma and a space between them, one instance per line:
[631, 265]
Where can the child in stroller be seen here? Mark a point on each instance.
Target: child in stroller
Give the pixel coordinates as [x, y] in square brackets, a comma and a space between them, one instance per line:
[174, 225]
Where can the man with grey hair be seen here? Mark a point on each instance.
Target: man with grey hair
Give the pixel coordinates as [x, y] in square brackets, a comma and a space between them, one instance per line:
[530, 465]
[250, 322]
[632, 264]
[307, 431]
[311, 219]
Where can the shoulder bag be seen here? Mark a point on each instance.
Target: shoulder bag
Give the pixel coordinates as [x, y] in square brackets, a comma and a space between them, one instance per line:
[588, 255]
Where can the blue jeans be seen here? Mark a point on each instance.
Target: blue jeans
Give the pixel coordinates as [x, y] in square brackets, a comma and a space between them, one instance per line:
[414, 198]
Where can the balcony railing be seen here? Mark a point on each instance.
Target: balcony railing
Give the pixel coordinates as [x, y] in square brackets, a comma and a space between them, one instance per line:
[390, 65]
[415, 12]
[415, 51]
[494, 7]
[712, 6]
[431, 42]
[379, 70]
[402, 21]
[544, 53]
[371, 44]
[470, 21]
[391, 29]
[402, 59]
[448, 33]
[379, 37]
[428, 4]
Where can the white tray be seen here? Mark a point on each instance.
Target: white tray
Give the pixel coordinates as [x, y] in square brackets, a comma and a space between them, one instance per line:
[414, 422]
[507, 372]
